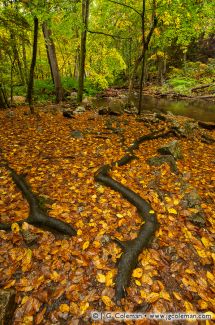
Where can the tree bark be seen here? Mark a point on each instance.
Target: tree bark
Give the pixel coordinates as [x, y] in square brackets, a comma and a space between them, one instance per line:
[52, 58]
[85, 18]
[32, 68]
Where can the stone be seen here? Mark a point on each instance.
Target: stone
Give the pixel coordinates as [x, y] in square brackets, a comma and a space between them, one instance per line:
[173, 149]
[77, 134]
[79, 110]
[68, 114]
[197, 219]
[18, 99]
[157, 161]
[7, 306]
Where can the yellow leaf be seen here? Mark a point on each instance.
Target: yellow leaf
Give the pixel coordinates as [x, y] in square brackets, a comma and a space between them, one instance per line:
[146, 279]
[15, 227]
[24, 300]
[165, 295]
[177, 295]
[188, 306]
[79, 232]
[64, 308]
[172, 211]
[143, 294]
[109, 278]
[203, 304]
[176, 202]
[54, 276]
[210, 276]
[138, 283]
[137, 273]
[101, 278]
[10, 284]
[96, 244]
[189, 271]
[86, 245]
[119, 215]
[100, 189]
[107, 301]
[83, 307]
[205, 242]
[152, 297]
[151, 212]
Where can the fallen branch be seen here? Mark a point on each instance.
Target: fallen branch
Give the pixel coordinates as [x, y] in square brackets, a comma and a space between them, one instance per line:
[202, 87]
[37, 216]
[207, 125]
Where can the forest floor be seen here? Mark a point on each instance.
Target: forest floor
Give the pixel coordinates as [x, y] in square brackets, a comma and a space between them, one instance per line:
[61, 280]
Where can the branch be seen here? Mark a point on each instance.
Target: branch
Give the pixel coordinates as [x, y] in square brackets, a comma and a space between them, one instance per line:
[124, 5]
[106, 34]
[153, 26]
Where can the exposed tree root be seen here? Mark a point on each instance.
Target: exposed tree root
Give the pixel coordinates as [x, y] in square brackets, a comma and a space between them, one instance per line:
[37, 216]
[131, 248]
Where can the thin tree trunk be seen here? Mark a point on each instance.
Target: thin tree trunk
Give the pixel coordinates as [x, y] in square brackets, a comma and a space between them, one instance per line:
[132, 78]
[24, 57]
[142, 81]
[143, 57]
[85, 17]
[32, 68]
[16, 57]
[3, 98]
[52, 58]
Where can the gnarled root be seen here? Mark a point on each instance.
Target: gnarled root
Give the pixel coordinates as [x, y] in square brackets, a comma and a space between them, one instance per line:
[37, 216]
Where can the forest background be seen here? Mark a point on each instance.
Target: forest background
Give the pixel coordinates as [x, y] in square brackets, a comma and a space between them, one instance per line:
[66, 46]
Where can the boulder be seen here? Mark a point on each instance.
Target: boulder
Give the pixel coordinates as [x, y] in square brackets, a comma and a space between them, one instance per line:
[7, 306]
[18, 99]
[79, 110]
[157, 161]
[173, 148]
[68, 114]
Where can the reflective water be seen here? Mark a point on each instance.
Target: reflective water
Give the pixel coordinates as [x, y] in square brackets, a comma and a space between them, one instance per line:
[199, 110]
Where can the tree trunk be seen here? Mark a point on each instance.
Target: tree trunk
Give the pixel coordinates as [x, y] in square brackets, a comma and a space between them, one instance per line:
[33, 63]
[132, 78]
[3, 98]
[85, 17]
[24, 58]
[52, 58]
[16, 56]
[142, 81]
[143, 57]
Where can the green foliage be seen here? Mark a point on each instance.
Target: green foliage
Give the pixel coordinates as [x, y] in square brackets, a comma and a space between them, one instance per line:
[181, 85]
[43, 90]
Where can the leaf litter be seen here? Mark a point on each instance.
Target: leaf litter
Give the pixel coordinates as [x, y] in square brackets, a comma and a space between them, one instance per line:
[64, 279]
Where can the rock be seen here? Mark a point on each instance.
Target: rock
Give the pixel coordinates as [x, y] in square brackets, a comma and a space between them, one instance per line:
[192, 199]
[7, 306]
[29, 237]
[73, 94]
[103, 111]
[18, 99]
[68, 114]
[86, 101]
[110, 111]
[157, 161]
[77, 134]
[186, 129]
[173, 149]
[79, 110]
[131, 110]
[197, 219]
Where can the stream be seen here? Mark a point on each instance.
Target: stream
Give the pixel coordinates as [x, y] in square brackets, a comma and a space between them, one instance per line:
[201, 110]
